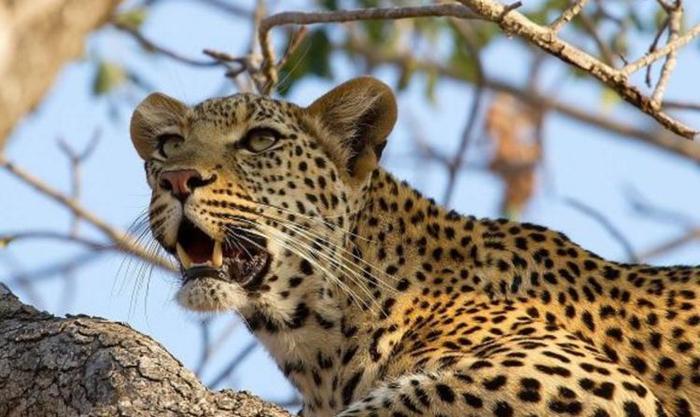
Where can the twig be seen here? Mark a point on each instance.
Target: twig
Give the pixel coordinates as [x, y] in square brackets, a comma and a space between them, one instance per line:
[52, 270]
[229, 8]
[515, 23]
[228, 369]
[606, 223]
[76, 160]
[574, 9]
[204, 331]
[426, 149]
[224, 57]
[605, 52]
[455, 163]
[661, 52]
[659, 138]
[121, 239]
[8, 238]
[654, 44]
[268, 68]
[674, 26]
[152, 46]
[294, 42]
[672, 244]
[680, 105]
[642, 206]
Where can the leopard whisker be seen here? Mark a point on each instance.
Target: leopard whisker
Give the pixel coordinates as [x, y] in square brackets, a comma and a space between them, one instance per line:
[352, 275]
[298, 249]
[344, 255]
[318, 218]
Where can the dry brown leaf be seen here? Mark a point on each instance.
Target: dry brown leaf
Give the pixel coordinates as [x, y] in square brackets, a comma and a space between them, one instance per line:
[512, 127]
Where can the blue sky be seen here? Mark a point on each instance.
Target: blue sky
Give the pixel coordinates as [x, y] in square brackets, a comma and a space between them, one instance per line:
[581, 162]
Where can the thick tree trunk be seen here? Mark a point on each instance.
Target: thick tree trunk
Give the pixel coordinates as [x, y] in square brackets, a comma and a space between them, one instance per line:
[82, 365]
[37, 37]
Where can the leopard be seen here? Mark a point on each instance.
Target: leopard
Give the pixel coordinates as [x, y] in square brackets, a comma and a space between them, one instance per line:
[375, 301]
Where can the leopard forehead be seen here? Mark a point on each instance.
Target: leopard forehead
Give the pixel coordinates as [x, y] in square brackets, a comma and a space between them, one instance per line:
[227, 112]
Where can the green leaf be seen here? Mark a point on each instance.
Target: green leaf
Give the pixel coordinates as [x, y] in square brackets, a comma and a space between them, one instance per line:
[329, 4]
[312, 57]
[107, 77]
[376, 31]
[609, 98]
[430, 84]
[461, 59]
[5, 241]
[407, 71]
[133, 18]
[319, 54]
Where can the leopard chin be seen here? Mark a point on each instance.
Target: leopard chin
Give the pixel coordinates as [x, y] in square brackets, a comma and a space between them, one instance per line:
[211, 295]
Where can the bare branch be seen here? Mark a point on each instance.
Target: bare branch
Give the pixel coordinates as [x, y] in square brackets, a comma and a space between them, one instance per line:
[606, 223]
[661, 52]
[680, 105]
[659, 138]
[228, 369]
[119, 237]
[228, 7]
[674, 27]
[672, 244]
[8, 238]
[515, 23]
[76, 159]
[149, 45]
[654, 44]
[49, 271]
[455, 163]
[205, 333]
[574, 9]
[269, 67]
[605, 51]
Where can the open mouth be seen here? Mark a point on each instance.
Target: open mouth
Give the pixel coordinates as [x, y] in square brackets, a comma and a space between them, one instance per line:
[243, 260]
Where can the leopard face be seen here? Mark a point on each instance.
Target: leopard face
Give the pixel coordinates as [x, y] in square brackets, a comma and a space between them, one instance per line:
[250, 194]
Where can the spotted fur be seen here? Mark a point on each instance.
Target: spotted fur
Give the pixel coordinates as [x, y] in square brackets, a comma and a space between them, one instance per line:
[379, 302]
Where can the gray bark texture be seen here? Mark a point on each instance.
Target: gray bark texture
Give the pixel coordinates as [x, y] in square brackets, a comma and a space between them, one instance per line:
[37, 37]
[88, 366]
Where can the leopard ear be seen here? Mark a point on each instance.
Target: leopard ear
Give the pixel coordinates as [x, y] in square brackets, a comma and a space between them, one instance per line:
[155, 115]
[360, 114]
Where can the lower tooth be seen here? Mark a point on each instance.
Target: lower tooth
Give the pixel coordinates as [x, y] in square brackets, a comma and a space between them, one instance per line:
[184, 258]
[217, 257]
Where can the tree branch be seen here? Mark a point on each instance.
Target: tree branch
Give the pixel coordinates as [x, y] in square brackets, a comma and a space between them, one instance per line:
[568, 14]
[82, 365]
[515, 23]
[36, 40]
[120, 238]
[662, 139]
[269, 66]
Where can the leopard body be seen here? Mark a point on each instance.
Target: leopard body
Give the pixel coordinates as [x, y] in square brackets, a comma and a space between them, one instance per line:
[379, 302]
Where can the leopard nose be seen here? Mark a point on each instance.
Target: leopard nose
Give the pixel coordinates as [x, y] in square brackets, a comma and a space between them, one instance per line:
[182, 182]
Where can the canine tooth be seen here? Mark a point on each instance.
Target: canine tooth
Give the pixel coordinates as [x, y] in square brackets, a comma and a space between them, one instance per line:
[184, 258]
[217, 257]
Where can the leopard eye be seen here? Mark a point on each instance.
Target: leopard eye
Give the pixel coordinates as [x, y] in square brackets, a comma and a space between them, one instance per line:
[167, 143]
[260, 139]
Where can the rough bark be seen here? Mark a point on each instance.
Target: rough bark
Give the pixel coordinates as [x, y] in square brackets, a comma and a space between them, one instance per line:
[37, 37]
[88, 366]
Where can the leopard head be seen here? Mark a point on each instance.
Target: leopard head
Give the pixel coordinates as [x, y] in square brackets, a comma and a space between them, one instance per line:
[252, 195]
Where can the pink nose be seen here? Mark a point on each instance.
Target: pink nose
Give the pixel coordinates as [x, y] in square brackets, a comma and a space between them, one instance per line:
[182, 182]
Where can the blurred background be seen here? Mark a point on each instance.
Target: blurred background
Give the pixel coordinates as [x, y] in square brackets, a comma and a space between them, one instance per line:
[487, 124]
